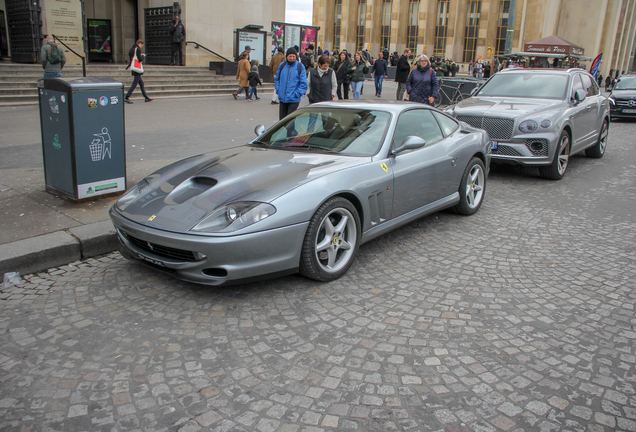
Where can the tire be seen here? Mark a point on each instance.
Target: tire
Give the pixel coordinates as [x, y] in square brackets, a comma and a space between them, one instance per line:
[472, 188]
[331, 242]
[556, 170]
[598, 150]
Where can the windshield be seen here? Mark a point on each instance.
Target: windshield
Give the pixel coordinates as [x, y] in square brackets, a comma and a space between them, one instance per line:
[626, 84]
[351, 132]
[526, 84]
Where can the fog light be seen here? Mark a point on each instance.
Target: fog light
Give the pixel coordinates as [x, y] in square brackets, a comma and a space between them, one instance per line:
[536, 146]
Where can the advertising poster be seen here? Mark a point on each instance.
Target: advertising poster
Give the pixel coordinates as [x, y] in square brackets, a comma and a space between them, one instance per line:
[310, 35]
[256, 41]
[64, 20]
[278, 37]
[292, 36]
[99, 39]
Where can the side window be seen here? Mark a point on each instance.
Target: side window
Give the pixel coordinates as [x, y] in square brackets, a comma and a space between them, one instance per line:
[589, 85]
[448, 124]
[576, 84]
[418, 122]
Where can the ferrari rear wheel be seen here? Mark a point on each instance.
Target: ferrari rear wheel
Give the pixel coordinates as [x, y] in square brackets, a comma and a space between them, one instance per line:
[331, 242]
[472, 188]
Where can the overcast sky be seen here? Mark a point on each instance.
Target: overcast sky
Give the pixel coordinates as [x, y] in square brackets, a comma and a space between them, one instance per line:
[299, 11]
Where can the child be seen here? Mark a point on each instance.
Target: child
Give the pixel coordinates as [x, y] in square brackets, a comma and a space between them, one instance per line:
[254, 79]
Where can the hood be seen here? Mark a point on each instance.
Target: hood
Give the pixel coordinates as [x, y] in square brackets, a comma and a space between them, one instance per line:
[503, 107]
[623, 94]
[181, 194]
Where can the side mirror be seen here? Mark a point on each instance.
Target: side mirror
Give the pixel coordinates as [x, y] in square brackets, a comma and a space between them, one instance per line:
[410, 143]
[474, 90]
[259, 130]
[580, 95]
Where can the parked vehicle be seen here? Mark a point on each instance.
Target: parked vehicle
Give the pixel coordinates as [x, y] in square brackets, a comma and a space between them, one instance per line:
[539, 117]
[304, 195]
[623, 98]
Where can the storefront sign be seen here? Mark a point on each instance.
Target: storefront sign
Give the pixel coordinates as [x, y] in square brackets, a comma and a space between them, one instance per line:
[553, 49]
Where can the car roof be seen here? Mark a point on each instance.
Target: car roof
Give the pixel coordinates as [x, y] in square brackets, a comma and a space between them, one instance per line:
[543, 71]
[392, 106]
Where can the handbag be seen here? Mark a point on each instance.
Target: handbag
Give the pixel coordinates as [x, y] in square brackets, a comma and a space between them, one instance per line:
[136, 66]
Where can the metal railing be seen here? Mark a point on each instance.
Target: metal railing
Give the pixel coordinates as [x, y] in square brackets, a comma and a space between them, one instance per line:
[71, 50]
[198, 45]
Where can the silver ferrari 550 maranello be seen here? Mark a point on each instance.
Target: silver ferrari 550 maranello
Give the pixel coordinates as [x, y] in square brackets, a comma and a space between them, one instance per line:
[539, 117]
[305, 194]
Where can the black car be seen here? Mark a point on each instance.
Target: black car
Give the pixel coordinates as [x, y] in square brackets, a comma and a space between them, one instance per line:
[623, 98]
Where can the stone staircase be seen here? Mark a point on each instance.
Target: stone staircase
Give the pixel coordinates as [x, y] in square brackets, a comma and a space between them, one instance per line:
[18, 82]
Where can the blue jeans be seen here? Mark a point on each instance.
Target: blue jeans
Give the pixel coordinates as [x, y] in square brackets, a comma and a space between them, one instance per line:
[253, 92]
[378, 83]
[356, 87]
[52, 74]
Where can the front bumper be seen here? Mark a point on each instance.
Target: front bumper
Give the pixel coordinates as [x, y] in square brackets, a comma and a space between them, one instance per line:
[228, 259]
[528, 150]
[622, 111]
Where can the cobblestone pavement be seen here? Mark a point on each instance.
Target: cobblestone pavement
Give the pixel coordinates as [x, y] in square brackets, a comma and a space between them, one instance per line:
[518, 318]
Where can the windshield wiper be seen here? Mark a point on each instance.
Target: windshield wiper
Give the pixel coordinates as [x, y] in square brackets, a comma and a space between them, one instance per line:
[311, 147]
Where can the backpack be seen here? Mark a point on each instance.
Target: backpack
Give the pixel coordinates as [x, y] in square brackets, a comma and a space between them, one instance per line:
[305, 61]
[54, 56]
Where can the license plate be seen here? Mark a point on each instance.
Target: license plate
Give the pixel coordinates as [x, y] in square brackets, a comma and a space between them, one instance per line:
[494, 145]
[150, 260]
[629, 111]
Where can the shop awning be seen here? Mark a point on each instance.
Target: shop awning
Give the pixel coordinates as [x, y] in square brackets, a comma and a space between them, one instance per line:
[553, 45]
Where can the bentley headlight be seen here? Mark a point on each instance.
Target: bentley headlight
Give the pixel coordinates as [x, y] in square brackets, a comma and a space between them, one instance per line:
[131, 195]
[234, 217]
[528, 126]
[546, 123]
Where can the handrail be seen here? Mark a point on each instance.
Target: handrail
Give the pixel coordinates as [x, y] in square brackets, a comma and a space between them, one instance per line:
[71, 50]
[198, 45]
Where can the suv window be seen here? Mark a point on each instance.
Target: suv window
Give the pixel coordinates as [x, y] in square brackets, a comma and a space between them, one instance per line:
[576, 84]
[589, 86]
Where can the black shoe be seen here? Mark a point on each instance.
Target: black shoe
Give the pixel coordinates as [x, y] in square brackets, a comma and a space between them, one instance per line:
[128, 100]
[148, 100]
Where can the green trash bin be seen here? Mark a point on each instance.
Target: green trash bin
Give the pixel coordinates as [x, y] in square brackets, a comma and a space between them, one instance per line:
[83, 139]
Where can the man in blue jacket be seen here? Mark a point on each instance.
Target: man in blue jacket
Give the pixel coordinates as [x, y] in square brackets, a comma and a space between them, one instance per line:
[291, 84]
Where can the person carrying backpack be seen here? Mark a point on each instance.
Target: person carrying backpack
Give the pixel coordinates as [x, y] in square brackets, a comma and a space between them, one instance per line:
[291, 84]
[52, 58]
[307, 59]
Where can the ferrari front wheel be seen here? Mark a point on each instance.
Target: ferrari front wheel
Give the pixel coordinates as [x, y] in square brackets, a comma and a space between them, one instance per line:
[331, 242]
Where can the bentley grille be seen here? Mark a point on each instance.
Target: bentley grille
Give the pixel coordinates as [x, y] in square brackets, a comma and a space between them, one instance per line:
[497, 128]
[162, 251]
[505, 150]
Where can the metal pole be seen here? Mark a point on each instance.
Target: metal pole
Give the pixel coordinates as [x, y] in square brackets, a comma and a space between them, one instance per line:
[510, 32]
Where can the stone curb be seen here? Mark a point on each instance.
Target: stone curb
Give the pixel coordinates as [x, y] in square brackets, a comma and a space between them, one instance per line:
[58, 248]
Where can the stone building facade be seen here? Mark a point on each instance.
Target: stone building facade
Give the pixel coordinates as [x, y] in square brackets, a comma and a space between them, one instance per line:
[463, 30]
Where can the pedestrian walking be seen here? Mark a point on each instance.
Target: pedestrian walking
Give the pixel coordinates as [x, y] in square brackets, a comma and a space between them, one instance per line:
[342, 76]
[608, 82]
[422, 85]
[273, 66]
[52, 58]
[380, 70]
[322, 84]
[357, 69]
[402, 70]
[291, 83]
[254, 80]
[137, 69]
[242, 73]
[177, 32]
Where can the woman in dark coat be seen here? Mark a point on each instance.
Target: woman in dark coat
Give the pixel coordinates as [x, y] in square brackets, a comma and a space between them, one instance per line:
[136, 51]
[357, 69]
[422, 85]
[340, 68]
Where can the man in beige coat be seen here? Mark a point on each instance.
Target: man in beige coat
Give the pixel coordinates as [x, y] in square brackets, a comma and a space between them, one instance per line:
[273, 66]
[242, 72]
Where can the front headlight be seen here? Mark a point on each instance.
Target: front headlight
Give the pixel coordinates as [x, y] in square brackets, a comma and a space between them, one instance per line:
[528, 126]
[234, 217]
[131, 195]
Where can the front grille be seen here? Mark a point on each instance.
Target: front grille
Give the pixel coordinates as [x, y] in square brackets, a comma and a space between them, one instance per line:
[505, 150]
[162, 251]
[497, 128]
[625, 103]
[539, 152]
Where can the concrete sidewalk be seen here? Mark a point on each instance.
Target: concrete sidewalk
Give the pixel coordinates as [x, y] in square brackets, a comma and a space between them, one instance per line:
[40, 230]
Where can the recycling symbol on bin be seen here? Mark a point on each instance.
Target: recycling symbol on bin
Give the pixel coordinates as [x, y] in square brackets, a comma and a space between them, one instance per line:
[101, 146]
